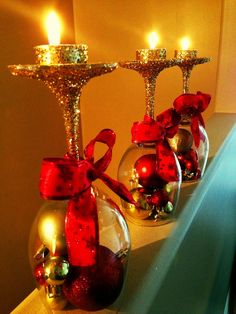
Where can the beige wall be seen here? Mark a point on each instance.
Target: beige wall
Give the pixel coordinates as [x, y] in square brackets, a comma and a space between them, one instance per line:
[226, 85]
[31, 125]
[114, 30]
[30, 129]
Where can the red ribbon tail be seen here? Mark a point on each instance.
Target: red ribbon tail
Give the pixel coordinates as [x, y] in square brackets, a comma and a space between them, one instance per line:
[195, 130]
[201, 121]
[81, 229]
[166, 162]
[118, 187]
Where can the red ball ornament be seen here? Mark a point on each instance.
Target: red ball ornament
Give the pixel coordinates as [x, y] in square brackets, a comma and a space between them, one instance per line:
[145, 167]
[189, 160]
[192, 155]
[158, 198]
[95, 287]
[189, 165]
[39, 274]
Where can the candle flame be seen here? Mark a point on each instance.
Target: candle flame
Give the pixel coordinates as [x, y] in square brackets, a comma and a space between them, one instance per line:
[153, 40]
[185, 43]
[53, 27]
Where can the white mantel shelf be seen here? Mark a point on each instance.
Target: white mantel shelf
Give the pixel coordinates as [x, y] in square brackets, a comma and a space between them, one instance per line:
[183, 267]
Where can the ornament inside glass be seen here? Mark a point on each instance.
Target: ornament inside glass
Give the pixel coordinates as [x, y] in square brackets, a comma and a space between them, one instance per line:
[156, 197]
[192, 158]
[86, 287]
[191, 143]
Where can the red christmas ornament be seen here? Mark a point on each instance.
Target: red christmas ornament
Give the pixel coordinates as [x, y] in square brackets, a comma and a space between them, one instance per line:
[158, 198]
[189, 160]
[92, 288]
[39, 274]
[145, 167]
[189, 165]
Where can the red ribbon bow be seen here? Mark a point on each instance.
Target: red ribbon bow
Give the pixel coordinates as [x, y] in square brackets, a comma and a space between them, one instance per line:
[151, 131]
[192, 105]
[69, 178]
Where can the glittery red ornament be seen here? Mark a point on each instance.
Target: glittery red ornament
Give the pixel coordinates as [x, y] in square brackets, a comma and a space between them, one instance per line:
[95, 287]
[145, 167]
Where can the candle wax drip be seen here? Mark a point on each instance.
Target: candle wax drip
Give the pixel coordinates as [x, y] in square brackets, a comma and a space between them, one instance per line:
[66, 82]
[149, 71]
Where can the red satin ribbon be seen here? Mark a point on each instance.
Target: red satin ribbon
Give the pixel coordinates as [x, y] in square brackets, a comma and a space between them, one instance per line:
[192, 105]
[151, 131]
[69, 178]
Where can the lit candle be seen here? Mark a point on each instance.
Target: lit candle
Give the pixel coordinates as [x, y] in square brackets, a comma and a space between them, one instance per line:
[152, 53]
[185, 52]
[56, 53]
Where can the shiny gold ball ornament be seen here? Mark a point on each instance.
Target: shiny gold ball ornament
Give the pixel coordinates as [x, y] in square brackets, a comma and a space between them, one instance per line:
[55, 297]
[144, 210]
[51, 227]
[181, 142]
[56, 270]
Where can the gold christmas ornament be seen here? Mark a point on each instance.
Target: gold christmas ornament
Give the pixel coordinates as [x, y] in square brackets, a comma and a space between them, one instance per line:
[56, 270]
[181, 142]
[51, 228]
[145, 209]
[55, 297]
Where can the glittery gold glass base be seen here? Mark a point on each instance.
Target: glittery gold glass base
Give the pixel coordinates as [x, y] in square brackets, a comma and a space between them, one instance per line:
[66, 82]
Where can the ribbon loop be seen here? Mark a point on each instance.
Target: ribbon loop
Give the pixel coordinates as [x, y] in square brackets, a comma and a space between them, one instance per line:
[147, 131]
[68, 178]
[63, 178]
[107, 137]
[192, 105]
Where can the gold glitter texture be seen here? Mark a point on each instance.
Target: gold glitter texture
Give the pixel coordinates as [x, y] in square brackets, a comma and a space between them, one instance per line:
[186, 64]
[61, 54]
[146, 55]
[66, 82]
[149, 71]
[185, 54]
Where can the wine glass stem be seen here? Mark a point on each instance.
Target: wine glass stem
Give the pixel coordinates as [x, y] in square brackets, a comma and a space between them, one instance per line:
[73, 129]
[186, 78]
[150, 87]
[68, 96]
